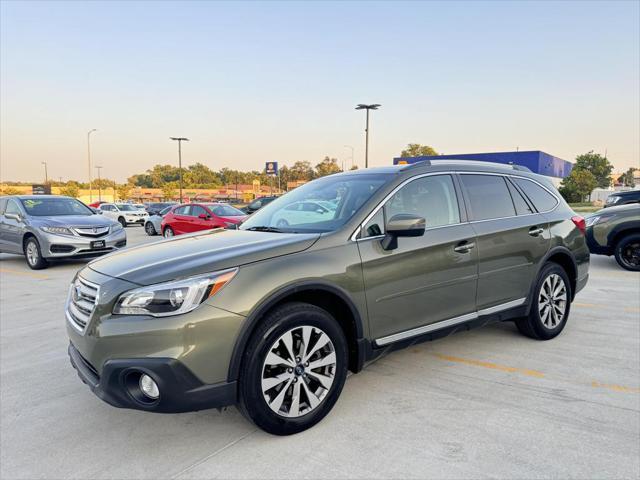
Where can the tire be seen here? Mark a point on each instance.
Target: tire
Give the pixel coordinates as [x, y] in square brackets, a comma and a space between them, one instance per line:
[627, 252]
[545, 323]
[123, 222]
[150, 229]
[33, 254]
[289, 324]
[168, 232]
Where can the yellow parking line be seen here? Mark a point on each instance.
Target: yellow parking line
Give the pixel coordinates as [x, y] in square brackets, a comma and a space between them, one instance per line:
[492, 366]
[585, 305]
[27, 274]
[616, 388]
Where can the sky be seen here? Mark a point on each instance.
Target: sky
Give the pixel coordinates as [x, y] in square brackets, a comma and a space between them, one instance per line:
[251, 82]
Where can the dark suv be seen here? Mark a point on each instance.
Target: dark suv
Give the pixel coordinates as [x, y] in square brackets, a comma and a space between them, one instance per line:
[272, 316]
[622, 198]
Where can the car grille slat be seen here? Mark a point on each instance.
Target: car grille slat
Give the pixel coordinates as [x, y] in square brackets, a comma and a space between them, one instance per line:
[81, 302]
[92, 232]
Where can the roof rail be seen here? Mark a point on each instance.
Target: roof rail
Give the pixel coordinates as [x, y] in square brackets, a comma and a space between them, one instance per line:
[421, 163]
[452, 161]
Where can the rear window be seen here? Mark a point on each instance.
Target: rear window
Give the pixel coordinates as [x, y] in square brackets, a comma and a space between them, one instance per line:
[540, 197]
[489, 196]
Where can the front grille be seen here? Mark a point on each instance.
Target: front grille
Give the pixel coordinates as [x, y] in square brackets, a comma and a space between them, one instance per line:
[93, 232]
[83, 296]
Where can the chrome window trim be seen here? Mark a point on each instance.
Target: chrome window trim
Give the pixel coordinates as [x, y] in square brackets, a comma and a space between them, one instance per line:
[448, 323]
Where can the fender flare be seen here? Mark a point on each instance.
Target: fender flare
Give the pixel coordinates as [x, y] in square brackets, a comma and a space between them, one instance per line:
[552, 251]
[270, 301]
[631, 226]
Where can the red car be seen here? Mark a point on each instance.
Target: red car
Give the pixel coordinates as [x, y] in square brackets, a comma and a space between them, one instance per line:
[96, 204]
[194, 217]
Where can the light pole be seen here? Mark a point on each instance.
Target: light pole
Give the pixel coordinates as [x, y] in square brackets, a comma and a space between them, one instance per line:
[46, 177]
[98, 167]
[362, 106]
[180, 140]
[349, 146]
[89, 160]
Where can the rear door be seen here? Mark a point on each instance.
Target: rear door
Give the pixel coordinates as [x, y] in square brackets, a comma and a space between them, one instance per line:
[427, 279]
[511, 236]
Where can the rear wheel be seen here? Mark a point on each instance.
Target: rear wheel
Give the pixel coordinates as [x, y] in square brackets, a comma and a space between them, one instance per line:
[293, 369]
[123, 222]
[150, 229]
[34, 255]
[168, 232]
[550, 305]
[627, 252]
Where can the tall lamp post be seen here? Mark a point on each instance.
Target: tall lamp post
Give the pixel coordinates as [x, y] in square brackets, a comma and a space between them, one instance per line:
[180, 140]
[89, 161]
[98, 167]
[362, 106]
[349, 146]
[46, 177]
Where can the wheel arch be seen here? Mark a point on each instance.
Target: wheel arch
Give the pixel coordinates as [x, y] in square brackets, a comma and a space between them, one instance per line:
[26, 236]
[621, 231]
[322, 294]
[563, 257]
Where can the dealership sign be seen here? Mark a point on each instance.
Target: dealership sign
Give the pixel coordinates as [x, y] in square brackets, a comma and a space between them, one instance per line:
[271, 168]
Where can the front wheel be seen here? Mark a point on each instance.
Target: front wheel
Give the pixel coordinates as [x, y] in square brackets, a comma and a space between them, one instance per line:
[293, 370]
[550, 304]
[627, 252]
[123, 222]
[34, 254]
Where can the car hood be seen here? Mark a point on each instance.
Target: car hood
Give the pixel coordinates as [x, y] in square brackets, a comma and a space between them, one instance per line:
[198, 253]
[629, 208]
[71, 221]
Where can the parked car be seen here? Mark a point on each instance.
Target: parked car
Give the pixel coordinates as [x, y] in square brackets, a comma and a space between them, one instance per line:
[622, 198]
[156, 207]
[153, 225]
[616, 231]
[194, 217]
[49, 227]
[125, 213]
[258, 203]
[307, 211]
[96, 204]
[139, 206]
[272, 318]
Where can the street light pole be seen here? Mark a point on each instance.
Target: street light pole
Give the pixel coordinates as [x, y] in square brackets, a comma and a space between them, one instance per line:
[89, 160]
[349, 146]
[180, 140]
[362, 106]
[98, 167]
[46, 177]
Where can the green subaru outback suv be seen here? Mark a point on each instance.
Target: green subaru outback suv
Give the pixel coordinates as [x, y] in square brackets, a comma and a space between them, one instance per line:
[272, 316]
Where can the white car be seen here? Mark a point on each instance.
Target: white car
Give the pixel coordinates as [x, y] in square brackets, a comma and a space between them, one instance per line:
[125, 213]
[307, 211]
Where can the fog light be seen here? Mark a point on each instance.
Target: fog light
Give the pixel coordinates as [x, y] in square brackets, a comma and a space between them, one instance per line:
[149, 387]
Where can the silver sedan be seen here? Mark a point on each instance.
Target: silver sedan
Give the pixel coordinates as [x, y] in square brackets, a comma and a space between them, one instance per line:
[46, 227]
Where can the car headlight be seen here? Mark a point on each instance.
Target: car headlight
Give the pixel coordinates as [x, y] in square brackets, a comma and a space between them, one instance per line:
[613, 199]
[57, 230]
[591, 221]
[172, 298]
[116, 227]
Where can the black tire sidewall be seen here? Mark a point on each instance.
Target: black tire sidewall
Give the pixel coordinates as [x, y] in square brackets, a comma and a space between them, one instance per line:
[122, 222]
[620, 246]
[541, 331]
[252, 401]
[170, 230]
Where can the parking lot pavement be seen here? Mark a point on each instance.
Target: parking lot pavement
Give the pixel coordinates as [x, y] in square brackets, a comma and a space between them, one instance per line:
[484, 403]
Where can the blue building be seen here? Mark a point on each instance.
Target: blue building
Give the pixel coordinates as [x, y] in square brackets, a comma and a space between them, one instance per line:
[535, 160]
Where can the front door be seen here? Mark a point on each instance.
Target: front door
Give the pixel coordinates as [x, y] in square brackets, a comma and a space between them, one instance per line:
[427, 279]
[11, 228]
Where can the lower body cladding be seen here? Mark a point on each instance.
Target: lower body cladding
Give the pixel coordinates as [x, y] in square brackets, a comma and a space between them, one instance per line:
[59, 246]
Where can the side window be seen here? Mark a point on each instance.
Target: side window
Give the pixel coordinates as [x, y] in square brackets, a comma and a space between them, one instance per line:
[375, 226]
[196, 211]
[181, 210]
[489, 196]
[541, 198]
[522, 207]
[433, 198]
[255, 205]
[12, 207]
[3, 205]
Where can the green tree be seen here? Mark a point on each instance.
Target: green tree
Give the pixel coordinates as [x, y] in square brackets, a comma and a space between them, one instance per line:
[124, 191]
[301, 170]
[598, 165]
[578, 185]
[71, 189]
[199, 174]
[627, 179]
[327, 166]
[143, 180]
[169, 190]
[355, 167]
[8, 190]
[417, 150]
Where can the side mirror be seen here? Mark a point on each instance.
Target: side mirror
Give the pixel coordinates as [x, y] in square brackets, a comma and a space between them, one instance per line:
[14, 216]
[402, 225]
[204, 216]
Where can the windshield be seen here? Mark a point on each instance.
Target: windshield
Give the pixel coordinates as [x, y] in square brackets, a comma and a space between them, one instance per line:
[323, 205]
[225, 211]
[53, 207]
[125, 207]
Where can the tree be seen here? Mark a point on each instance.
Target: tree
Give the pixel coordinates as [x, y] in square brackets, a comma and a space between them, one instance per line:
[355, 167]
[124, 191]
[301, 170]
[7, 190]
[71, 189]
[169, 190]
[200, 174]
[417, 150]
[327, 166]
[627, 179]
[598, 165]
[578, 185]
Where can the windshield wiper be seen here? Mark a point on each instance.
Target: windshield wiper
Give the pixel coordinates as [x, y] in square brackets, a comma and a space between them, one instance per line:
[263, 228]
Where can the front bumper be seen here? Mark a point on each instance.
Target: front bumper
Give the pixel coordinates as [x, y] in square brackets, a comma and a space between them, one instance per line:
[135, 219]
[65, 246]
[180, 390]
[594, 246]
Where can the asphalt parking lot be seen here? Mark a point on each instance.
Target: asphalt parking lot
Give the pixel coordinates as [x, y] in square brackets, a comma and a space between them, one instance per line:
[488, 403]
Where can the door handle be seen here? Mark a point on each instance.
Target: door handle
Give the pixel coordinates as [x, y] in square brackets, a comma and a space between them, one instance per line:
[464, 247]
[535, 231]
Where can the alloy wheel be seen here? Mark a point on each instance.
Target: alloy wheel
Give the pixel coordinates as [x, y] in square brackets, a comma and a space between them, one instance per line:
[32, 253]
[552, 301]
[631, 254]
[298, 371]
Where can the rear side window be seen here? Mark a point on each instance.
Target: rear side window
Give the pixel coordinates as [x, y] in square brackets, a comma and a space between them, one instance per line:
[522, 207]
[182, 210]
[541, 198]
[196, 211]
[489, 196]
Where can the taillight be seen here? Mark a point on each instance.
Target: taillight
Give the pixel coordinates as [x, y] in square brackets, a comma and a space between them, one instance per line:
[580, 223]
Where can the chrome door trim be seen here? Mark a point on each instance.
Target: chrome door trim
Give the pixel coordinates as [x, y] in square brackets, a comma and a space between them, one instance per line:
[448, 323]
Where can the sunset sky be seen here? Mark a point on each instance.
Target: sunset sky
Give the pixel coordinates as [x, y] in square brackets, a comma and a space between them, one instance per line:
[255, 82]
